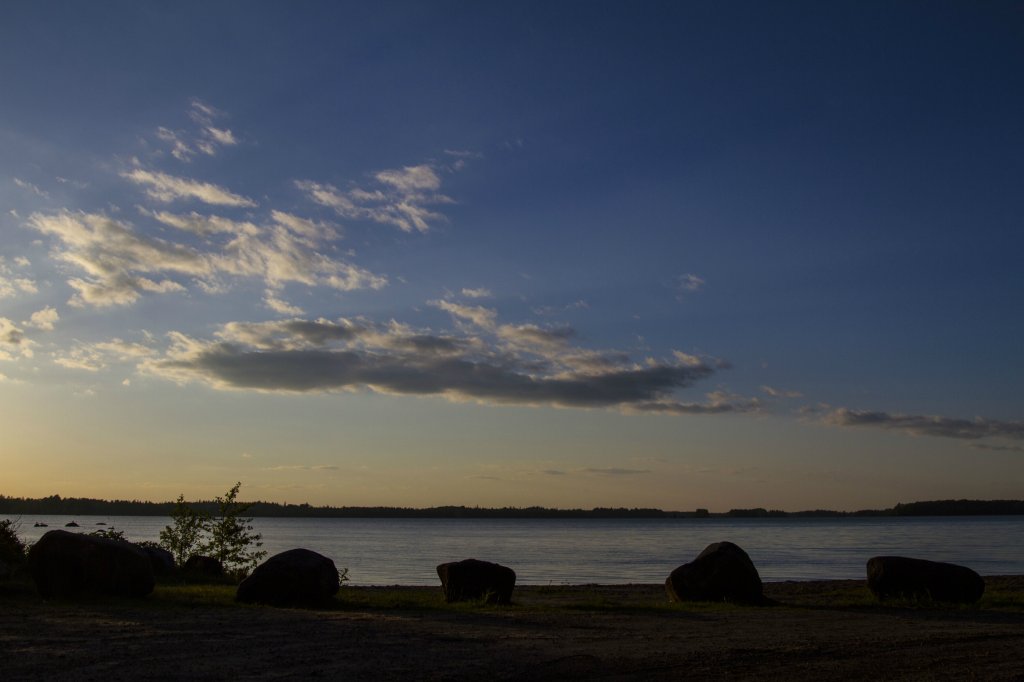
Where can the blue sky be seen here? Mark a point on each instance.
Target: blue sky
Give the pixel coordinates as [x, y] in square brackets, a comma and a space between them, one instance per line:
[573, 254]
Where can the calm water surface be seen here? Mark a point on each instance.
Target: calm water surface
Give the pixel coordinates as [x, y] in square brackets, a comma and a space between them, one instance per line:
[579, 551]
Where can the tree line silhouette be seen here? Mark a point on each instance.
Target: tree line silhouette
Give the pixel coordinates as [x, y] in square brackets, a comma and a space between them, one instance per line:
[85, 506]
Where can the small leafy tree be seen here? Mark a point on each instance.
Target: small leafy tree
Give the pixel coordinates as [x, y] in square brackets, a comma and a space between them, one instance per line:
[12, 547]
[232, 540]
[184, 538]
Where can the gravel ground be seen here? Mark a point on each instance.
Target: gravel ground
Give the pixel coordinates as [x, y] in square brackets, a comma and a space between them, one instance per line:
[622, 632]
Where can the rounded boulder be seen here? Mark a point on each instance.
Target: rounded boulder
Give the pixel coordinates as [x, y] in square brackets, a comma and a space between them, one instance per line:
[64, 564]
[161, 560]
[722, 572]
[896, 576]
[293, 578]
[474, 579]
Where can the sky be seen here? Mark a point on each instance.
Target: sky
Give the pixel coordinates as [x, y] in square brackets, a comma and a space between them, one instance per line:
[572, 254]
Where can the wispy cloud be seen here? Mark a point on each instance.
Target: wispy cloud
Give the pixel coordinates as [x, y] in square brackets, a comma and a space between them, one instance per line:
[168, 188]
[780, 393]
[998, 448]
[202, 225]
[716, 402]
[477, 315]
[31, 188]
[687, 284]
[399, 197]
[13, 282]
[114, 258]
[302, 467]
[615, 471]
[119, 264]
[462, 157]
[531, 336]
[205, 138]
[93, 357]
[180, 149]
[549, 310]
[480, 292]
[928, 425]
[279, 305]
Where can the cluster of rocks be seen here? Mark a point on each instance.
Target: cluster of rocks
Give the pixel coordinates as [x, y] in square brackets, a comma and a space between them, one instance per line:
[64, 564]
[724, 572]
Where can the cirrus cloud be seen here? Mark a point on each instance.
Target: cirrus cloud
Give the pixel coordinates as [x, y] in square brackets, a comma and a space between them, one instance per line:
[114, 263]
[400, 198]
[167, 188]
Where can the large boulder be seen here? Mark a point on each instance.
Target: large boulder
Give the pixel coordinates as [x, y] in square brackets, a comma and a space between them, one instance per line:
[161, 560]
[64, 564]
[204, 567]
[293, 578]
[474, 579]
[722, 572]
[897, 576]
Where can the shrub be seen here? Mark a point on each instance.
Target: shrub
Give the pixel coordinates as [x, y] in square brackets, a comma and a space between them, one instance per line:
[12, 547]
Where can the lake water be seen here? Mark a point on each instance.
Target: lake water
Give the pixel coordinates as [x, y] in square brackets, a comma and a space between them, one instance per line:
[614, 551]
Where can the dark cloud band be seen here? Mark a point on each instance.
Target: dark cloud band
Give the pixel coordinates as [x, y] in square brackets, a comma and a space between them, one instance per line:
[929, 425]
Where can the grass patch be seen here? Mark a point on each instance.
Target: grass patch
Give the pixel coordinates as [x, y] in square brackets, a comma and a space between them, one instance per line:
[195, 594]
[1001, 596]
[390, 598]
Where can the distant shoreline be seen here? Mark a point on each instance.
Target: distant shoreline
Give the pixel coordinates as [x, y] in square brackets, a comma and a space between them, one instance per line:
[71, 506]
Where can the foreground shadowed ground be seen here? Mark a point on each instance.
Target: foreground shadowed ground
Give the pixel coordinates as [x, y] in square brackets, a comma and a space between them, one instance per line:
[829, 630]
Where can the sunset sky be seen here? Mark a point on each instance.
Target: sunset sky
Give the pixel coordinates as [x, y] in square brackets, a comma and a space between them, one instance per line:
[659, 254]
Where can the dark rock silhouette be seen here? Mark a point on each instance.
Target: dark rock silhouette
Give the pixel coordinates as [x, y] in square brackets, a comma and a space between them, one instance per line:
[293, 578]
[895, 576]
[722, 572]
[71, 524]
[161, 560]
[64, 564]
[473, 579]
[40, 525]
[204, 566]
